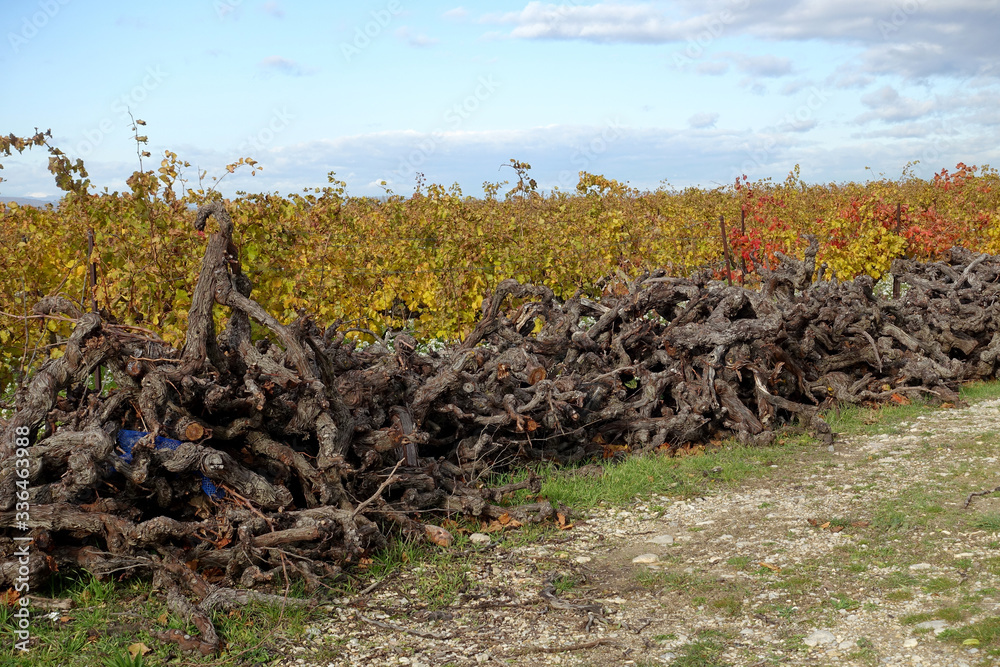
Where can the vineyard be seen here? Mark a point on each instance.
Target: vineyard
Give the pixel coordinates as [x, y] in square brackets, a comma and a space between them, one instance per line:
[194, 402]
[424, 263]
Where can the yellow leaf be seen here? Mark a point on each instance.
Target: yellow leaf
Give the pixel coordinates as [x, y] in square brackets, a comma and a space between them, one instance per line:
[971, 642]
[138, 649]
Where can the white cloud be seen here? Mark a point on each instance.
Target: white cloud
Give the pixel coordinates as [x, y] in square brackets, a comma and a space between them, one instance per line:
[888, 105]
[279, 65]
[712, 67]
[915, 39]
[703, 120]
[458, 13]
[413, 39]
[765, 66]
[601, 22]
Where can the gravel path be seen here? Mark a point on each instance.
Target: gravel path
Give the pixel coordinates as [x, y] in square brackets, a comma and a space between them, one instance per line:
[859, 556]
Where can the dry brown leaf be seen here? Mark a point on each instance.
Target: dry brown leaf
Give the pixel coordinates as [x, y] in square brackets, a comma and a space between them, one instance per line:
[813, 522]
[899, 399]
[825, 525]
[9, 597]
[438, 535]
[859, 524]
[162, 618]
[836, 529]
[774, 568]
[562, 521]
[138, 648]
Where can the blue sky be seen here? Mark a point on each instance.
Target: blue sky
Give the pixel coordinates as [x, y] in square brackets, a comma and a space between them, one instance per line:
[687, 92]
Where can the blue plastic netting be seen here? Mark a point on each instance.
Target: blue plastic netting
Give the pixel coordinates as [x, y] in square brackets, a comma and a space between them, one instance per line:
[127, 439]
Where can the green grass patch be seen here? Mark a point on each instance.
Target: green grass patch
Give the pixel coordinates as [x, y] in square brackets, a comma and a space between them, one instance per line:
[985, 633]
[939, 585]
[990, 521]
[980, 391]
[109, 617]
[705, 651]
[685, 476]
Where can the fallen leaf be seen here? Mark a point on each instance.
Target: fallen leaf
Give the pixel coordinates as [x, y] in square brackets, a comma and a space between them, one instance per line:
[825, 525]
[162, 618]
[562, 521]
[859, 524]
[899, 399]
[9, 597]
[774, 568]
[836, 529]
[948, 406]
[438, 535]
[813, 522]
[138, 649]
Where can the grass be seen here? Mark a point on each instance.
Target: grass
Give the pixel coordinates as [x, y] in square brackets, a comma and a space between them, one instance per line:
[705, 651]
[109, 617]
[684, 476]
[985, 632]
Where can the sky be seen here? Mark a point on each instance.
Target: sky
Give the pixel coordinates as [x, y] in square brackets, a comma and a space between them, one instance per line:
[657, 94]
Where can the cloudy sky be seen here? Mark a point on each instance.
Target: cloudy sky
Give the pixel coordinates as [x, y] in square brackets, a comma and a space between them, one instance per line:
[688, 92]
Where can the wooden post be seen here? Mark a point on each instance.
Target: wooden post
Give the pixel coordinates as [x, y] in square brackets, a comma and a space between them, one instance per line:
[725, 248]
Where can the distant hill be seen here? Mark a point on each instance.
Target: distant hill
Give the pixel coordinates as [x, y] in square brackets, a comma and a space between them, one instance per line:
[29, 201]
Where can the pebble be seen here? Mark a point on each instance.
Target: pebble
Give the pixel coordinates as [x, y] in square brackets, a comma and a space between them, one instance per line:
[645, 559]
[480, 539]
[661, 539]
[910, 643]
[820, 637]
[920, 566]
[937, 626]
[582, 559]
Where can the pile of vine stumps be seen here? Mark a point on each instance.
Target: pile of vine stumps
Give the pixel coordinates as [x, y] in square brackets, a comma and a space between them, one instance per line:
[243, 460]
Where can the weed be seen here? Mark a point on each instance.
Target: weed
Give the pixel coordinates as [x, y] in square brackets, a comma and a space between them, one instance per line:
[704, 652]
[939, 585]
[865, 653]
[124, 660]
[985, 631]
[989, 522]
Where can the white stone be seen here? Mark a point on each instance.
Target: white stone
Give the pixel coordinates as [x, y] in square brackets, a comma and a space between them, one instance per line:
[920, 566]
[480, 539]
[645, 559]
[910, 643]
[937, 626]
[819, 637]
[661, 540]
[582, 559]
